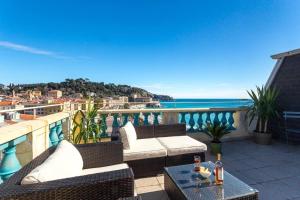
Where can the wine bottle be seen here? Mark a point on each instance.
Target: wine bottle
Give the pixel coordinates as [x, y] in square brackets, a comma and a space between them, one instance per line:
[219, 172]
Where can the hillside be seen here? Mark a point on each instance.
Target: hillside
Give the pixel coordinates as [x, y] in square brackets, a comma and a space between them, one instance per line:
[69, 87]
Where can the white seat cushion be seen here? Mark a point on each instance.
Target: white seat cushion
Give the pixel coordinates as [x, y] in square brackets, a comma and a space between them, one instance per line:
[128, 135]
[104, 169]
[143, 149]
[178, 145]
[64, 162]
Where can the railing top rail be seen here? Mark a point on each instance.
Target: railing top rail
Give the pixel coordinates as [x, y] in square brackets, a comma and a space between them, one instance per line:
[10, 132]
[168, 110]
[30, 108]
[291, 113]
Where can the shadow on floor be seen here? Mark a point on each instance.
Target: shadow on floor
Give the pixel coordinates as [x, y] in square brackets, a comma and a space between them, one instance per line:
[157, 195]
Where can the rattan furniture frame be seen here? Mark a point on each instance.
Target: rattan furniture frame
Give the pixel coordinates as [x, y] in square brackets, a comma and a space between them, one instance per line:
[107, 185]
[153, 166]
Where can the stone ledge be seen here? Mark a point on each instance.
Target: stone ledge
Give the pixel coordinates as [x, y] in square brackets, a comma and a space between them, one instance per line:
[13, 131]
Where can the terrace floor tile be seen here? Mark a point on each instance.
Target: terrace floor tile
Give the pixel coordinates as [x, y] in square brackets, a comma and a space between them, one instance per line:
[142, 182]
[150, 188]
[273, 169]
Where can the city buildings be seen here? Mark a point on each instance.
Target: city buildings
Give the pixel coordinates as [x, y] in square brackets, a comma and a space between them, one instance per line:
[55, 94]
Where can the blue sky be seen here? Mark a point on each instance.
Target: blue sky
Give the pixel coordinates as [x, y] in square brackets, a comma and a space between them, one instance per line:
[182, 48]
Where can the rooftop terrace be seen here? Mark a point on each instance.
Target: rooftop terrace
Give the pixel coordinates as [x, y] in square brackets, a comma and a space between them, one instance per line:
[273, 170]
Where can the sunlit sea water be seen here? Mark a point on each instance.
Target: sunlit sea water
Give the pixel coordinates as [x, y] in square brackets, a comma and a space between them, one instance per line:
[205, 103]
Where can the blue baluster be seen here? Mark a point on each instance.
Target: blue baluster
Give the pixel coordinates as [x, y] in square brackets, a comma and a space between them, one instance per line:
[155, 121]
[53, 135]
[59, 130]
[146, 115]
[224, 119]
[183, 121]
[231, 121]
[216, 119]
[125, 118]
[191, 122]
[208, 120]
[136, 120]
[10, 163]
[103, 126]
[200, 122]
[115, 123]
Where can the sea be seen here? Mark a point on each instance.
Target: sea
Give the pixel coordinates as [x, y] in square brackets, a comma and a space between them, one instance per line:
[206, 103]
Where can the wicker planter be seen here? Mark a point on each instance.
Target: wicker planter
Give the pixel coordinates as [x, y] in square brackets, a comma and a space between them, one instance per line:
[216, 147]
[262, 138]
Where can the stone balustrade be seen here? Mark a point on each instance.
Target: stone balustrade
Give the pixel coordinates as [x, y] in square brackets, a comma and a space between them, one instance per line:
[195, 118]
[23, 141]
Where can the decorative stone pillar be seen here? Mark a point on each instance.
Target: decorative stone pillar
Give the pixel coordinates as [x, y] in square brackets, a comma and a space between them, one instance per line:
[191, 122]
[54, 140]
[103, 125]
[224, 119]
[115, 124]
[146, 115]
[155, 121]
[182, 120]
[59, 130]
[216, 119]
[125, 118]
[200, 122]
[136, 117]
[231, 121]
[10, 163]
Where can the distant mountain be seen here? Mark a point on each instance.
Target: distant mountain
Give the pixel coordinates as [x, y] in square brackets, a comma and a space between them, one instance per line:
[70, 87]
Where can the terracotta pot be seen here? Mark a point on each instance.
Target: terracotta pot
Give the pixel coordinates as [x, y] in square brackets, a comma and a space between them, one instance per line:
[216, 147]
[262, 138]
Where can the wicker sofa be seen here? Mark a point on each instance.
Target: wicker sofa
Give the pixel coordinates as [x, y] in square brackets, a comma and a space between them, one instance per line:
[165, 145]
[107, 185]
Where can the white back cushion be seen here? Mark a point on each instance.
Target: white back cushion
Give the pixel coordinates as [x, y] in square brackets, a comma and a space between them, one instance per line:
[64, 162]
[128, 135]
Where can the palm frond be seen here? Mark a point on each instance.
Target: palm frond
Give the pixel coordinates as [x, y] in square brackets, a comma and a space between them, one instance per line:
[216, 131]
[264, 105]
[85, 127]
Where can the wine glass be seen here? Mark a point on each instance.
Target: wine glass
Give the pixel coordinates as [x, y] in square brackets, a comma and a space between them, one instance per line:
[197, 162]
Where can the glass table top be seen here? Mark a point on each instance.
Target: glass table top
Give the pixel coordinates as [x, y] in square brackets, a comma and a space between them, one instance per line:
[193, 186]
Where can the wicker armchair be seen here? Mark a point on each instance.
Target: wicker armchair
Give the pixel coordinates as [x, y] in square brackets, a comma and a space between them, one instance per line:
[107, 185]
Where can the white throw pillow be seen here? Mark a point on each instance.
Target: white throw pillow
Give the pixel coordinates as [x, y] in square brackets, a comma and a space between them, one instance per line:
[128, 135]
[64, 162]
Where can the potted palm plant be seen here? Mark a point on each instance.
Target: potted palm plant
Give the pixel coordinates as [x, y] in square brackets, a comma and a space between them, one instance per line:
[216, 131]
[264, 108]
[85, 128]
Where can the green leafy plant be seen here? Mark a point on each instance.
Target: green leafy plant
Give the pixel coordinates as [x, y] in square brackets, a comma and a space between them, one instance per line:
[264, 106]
[126, 106]
[85, 127]
[216, 131]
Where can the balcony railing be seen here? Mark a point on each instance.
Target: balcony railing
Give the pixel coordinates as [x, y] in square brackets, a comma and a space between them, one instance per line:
[23, 141]
[195, 118]
[32, 137]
